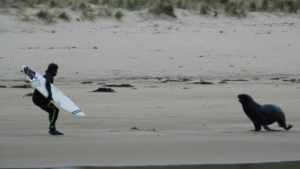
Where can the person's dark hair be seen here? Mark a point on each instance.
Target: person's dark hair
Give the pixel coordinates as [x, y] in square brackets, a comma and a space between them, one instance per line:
[51, 68]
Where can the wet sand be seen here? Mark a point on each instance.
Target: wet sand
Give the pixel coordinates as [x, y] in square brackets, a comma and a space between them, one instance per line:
[175, 126]
[278, 165]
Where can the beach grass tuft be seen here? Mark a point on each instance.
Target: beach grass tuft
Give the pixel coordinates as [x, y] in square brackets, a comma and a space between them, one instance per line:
[235, 8]
[119, 15]
[203, 8]
[84, 6]
[253, 6]
[120, 4]
[105, 2]
[216, 13]
[279, 5]
[16, 6]
[108, 12]
[54, 4]
[95, 2]
[181, 4]
[133, 5]
[64, 16]
[86, 15]
[45, 16]
[264, 5]
[292, 6]
[163, 7]
[105, 12]
[81, 5]
[25, 18]
[224, 1]
[31, 3]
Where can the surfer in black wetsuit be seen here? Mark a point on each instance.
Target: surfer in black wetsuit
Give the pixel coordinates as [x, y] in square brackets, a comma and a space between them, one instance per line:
[45, 103]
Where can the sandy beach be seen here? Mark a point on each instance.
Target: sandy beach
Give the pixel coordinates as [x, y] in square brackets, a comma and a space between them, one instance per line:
[164, 119]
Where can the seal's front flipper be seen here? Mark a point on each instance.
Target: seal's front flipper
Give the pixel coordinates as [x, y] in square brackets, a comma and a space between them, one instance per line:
[255, 130]
[257, 127]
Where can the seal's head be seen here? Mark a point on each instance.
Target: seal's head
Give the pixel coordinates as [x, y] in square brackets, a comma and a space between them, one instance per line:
[244, 98]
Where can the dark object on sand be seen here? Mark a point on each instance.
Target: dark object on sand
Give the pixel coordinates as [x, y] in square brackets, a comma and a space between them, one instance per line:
[277, 78]
[134, 128]
[104, 90]
[237, 80]
[137, 129]
[2, 86]
[86, 82]
[27, 95]
[22, 86]
[203, 83]
[122, 85]
[292, 80]
[263, 115]
[180, 80]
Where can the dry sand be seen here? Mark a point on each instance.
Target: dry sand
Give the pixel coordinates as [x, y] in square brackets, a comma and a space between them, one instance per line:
[178, 122]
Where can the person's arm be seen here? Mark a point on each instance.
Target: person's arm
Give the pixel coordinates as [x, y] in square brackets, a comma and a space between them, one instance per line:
[49, 80]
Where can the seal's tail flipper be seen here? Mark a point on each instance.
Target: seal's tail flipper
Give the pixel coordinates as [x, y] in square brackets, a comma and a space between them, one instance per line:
[289, 127]
[282, 124]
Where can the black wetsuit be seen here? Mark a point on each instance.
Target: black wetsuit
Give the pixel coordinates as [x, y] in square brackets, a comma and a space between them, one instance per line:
[45, 104]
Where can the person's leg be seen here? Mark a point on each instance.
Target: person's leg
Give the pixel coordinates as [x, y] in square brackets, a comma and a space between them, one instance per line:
[53, 114]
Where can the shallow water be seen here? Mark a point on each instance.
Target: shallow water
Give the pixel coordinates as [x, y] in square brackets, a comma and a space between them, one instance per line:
[278, 165]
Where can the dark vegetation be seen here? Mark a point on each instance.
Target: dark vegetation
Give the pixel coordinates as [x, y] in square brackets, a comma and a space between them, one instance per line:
[49, 10]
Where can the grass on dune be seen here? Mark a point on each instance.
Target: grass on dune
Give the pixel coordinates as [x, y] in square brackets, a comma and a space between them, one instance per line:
[292, 6]
[95, 2]
[45, 15]
[120, 4]
[133, 5]
[264, 5]
[81, 5]
[181, 4]
[86, 15]
[64, 16]
[235, 8]
[203, 8]
[163, 8]
[119, 15]
[279, 5]
[253, 6]
[59, 3]
[106, 12]
[25, 18]
[224, 1]
[90, 9]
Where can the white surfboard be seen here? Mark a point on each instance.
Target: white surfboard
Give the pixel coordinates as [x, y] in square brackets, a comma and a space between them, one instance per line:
[59, 98]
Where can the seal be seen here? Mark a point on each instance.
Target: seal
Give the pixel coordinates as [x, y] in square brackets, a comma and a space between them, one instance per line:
[263, 115]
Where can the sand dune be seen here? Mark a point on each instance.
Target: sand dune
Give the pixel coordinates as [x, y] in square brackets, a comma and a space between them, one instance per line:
[177, 122]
